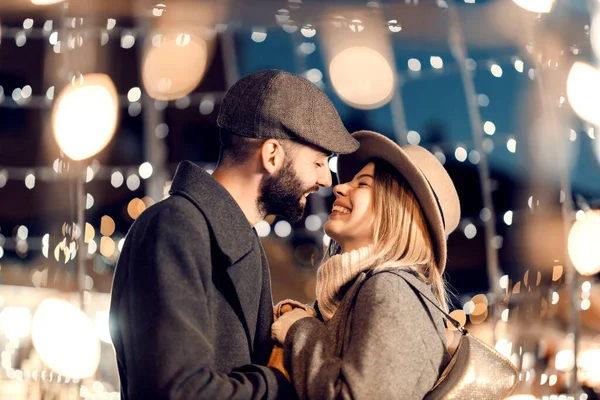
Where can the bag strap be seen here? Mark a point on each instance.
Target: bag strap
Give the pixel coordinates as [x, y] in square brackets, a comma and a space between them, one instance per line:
[447, 316]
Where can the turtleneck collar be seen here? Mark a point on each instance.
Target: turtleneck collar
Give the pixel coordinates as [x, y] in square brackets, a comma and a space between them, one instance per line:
[334, 275]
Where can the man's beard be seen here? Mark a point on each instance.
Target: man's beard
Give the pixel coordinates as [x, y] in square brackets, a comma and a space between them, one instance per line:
[281, 194]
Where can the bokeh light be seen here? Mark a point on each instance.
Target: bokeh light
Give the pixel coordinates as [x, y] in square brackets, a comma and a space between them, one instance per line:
[584, 250]
[15, 322]
[102, 327]
[283, 229]
[263, 228]
[536, 6]
[135, 207]
[107, 225]
[583, 91]
[65, 339]
[362, 77]
[84, 117]
[90, 232]
[107, 247]
[489, 127]
[564, 360]
[146, 170]
[174, 65]
[45, 2]
[595, 32]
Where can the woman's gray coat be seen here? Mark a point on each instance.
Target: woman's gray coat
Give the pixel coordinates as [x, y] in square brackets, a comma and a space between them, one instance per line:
[388, 345]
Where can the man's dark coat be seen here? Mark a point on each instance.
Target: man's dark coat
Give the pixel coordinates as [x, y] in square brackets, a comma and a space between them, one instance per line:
[191, 306]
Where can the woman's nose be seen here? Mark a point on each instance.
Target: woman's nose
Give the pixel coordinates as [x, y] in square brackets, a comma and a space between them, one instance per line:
[340, 190]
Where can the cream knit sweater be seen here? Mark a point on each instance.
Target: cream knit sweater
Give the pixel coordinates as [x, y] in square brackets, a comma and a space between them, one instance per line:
[335, 274]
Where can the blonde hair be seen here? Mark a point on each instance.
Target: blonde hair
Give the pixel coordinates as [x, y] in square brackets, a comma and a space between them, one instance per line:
[400, 234]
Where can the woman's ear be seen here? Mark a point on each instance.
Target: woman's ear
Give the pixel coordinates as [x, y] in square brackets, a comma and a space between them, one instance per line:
[272, 155]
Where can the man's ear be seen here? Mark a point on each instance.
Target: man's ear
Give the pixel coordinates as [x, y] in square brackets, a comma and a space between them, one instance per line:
[272, 155]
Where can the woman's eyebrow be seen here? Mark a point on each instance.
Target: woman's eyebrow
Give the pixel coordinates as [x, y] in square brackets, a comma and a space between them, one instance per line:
[364, 176]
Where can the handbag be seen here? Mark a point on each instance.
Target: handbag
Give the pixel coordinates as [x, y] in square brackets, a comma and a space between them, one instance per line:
[475, 371]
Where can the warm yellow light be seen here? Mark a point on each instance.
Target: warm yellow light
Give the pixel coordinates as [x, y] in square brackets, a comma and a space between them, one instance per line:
[135, 207]
[65, 339]
[537, 6]
[15, 322]
[564, 360]
[589, 366]
[84, 117]
[174, 65]
[107, 225]
[45, 2]
[583, 91]
[102, 328]
[362, 77]
[90, 232]
[595, 33]
[107, 246]
[583, 244]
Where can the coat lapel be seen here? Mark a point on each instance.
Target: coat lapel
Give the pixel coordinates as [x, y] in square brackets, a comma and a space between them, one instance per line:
[236, 240]
[245, 276]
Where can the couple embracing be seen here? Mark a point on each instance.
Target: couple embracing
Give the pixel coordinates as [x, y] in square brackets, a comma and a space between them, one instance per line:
[191, 307]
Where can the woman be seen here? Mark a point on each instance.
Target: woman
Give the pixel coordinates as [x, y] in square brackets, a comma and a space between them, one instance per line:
[375, 337]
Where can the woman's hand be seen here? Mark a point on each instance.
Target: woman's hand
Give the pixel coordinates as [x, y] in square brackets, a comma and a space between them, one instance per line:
[280, 328]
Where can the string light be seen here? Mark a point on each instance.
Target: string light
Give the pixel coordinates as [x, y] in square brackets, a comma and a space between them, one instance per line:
[308, 31]
[307, 48]
[162, 130]
[175, 67]
[314, 75]
[460, 153]
[582, 243]
[496, 70]
[134, 94]
[30, 181]
[474, 157]
[283, 229]
[207, 106]
[511, 145]
[489, 127]
[133, 182]
[414, 65]
[263, 228]
[436, 62]
[312, 223]
[483, 100]
[333, 164]
[362, 77]
[127, 40]
[470, 231]
[116, 179]
[65, 339]
[85, 116]
[413, 137]
[145, 170]
[508, 217]
[537, 6]
[519, 65]
[259, 35]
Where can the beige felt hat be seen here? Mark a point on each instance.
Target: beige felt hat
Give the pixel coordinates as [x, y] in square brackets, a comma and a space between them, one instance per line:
[424, 173]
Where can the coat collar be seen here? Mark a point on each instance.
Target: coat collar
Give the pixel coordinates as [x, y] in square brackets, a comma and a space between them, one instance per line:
[232, 231]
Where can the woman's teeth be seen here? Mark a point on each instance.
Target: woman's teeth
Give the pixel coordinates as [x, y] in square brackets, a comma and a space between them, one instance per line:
[340, 209]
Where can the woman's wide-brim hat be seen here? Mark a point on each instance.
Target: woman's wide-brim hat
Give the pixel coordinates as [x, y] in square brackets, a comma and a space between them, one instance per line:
[426, 176]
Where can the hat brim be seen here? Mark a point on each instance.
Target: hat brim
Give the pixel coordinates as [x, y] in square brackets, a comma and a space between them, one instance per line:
[376, 146]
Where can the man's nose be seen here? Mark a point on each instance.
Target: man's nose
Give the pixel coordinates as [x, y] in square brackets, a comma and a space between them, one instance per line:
[325, 179]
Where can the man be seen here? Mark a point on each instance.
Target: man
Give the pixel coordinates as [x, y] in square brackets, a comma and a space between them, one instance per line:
[191, 307]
